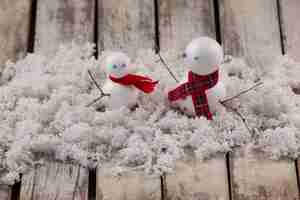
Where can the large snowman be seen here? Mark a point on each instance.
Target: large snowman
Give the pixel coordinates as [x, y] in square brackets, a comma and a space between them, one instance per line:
[199, 93]
[123, 86]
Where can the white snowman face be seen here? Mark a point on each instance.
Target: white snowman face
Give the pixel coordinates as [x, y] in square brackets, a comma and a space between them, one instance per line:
[117, 64]
[203, 55]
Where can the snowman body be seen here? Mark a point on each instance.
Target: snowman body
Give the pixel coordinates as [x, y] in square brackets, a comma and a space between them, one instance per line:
[120, 95]
[117, 65]
[202, 56]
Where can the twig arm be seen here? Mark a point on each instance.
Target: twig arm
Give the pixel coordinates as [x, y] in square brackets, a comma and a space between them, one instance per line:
[94, 101]
[167, 67]
[102, 93]
[234, 110]
[157, 49]
[241, 93]
[95, 82]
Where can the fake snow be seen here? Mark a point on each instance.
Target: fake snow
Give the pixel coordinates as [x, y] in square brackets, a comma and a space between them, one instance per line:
[43, 114]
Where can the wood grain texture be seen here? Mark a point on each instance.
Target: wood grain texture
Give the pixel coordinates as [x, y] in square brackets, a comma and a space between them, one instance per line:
[199, 180]
[5, 192]
[55, 181]
[256, 177]
[128, 185]
[291, 27]
[64, 21]
[251, 29]
[14, 29]
[127, 25]
[180, 21]
[2, 163]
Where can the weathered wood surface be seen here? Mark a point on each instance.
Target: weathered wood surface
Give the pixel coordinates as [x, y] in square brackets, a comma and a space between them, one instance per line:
[205, 180]
[14, 29]
[64, 21]
[257, 177]
[251, 29]
[291, 27]
[2, 165]
[180, 21]
[127, 25]
[55, 181]
[5, 192]
[129, 185]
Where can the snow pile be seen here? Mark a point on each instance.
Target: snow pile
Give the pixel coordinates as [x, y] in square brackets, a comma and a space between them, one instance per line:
[43, 114]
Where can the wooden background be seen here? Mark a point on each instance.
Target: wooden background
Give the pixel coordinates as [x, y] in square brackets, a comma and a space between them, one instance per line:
[259, 30]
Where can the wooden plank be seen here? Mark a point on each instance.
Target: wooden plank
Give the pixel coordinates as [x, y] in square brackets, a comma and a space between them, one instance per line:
[2, 164]
[128, 185]
[291, 27]
[60, 22]
[180, 21]
[251, 29]
[14, 29]
[5, 192]
[199, 180]
[254, 176]
[127, 25]
[55, 181]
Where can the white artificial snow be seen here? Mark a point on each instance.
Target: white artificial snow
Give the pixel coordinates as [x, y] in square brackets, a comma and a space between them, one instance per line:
[43, 114]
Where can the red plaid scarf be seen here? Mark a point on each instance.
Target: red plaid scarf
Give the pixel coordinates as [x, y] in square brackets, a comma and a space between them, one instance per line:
[196, 87]
[142, 83]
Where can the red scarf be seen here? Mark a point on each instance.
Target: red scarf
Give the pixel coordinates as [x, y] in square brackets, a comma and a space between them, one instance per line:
[196, 87]
[143, 83]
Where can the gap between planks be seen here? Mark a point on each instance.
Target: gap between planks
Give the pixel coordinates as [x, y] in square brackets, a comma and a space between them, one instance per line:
[290, 27]
[32, 25]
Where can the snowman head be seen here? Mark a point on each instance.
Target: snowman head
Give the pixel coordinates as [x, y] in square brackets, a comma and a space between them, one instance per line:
[117, 64]
[203, 55]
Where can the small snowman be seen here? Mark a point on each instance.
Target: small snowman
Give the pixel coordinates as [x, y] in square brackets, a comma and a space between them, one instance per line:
[199, 94]
[123, 86]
